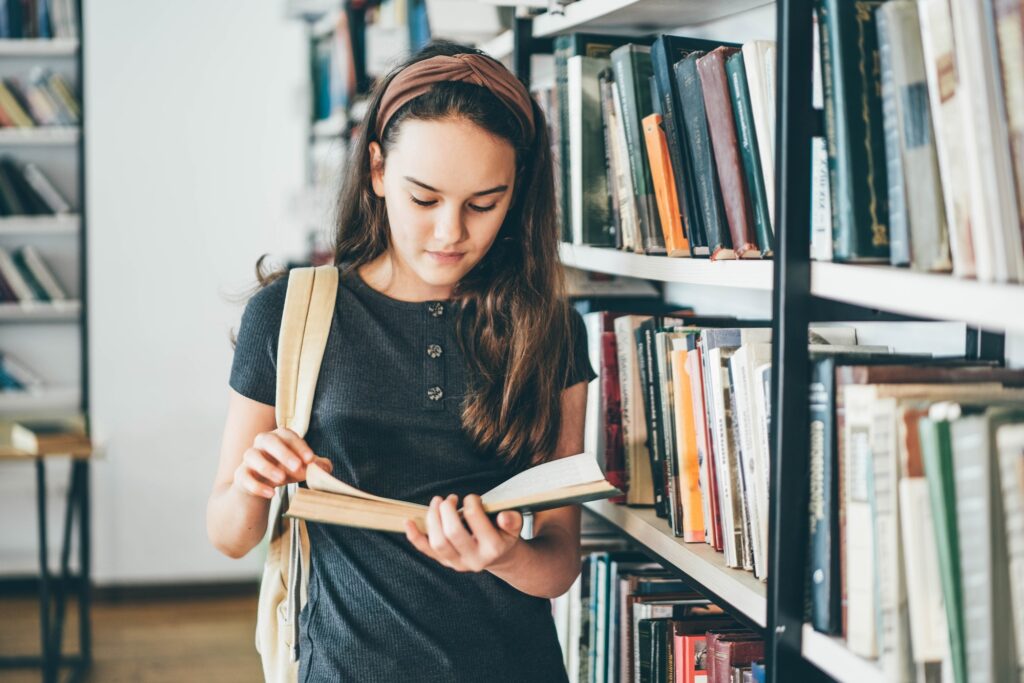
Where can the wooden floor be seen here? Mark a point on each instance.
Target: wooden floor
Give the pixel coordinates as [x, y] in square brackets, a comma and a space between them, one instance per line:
[147, 641]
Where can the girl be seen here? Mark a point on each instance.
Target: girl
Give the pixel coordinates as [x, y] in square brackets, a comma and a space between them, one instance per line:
[453, 362]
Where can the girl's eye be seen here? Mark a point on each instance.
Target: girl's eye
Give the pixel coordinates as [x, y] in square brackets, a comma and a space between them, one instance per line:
[482, 209]
[420, 202]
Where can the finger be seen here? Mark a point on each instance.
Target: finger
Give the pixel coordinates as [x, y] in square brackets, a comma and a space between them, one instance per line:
[251, 484]
[454, 529]
[511, 522]
[479, 523]
[260, 463]
[435, 533]
[274, 446]
[297, 444]
[418, 539]
[325, 464]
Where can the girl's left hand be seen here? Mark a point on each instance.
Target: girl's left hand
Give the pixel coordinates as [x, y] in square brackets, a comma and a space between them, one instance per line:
[480, 547]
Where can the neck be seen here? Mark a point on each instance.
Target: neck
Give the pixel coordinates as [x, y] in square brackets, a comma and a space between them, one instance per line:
[391, 277]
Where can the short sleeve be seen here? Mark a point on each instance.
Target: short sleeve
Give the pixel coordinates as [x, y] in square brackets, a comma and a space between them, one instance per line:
[254, 368]
[579, 367]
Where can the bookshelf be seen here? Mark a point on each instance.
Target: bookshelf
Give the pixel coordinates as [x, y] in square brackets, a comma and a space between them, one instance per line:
[799, 289]
[699, 562]
[51, 339]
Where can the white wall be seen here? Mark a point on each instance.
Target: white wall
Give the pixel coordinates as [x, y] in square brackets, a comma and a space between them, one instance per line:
[196, 130]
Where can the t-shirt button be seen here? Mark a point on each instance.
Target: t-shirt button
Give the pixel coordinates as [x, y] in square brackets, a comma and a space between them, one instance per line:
[436, 309]
[435, 393]
[434, 350]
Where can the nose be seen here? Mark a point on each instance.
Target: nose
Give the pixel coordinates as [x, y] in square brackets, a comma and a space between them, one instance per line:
[450, 228]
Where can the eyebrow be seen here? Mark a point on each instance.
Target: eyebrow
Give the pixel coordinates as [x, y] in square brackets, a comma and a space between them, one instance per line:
[493, 190]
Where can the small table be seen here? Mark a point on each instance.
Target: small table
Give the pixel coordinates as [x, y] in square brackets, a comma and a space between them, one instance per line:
[54, 590]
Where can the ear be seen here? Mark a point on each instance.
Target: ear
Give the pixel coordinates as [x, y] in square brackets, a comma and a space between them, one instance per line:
[377, 168]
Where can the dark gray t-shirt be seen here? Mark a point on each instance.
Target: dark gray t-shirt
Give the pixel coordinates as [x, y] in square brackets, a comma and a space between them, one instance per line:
[387, 414]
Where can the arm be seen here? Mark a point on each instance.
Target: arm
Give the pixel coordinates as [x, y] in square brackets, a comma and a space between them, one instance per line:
[254, 458]
[544, 566]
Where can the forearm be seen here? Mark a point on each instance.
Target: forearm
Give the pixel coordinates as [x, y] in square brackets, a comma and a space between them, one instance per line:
[544, 566]
[236, 521]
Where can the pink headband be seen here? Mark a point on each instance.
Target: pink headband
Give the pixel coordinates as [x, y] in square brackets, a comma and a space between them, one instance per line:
[418, 78]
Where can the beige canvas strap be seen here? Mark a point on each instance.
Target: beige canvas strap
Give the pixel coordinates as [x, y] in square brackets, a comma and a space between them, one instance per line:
[305, 326]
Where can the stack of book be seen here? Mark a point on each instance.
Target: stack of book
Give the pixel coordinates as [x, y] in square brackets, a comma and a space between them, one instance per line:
[626, 619]
[44, 99]
[26, 191]
[25, 277]
[679, 415]
[917, 514]
[38, 19]
[922, 162]
[664, 144]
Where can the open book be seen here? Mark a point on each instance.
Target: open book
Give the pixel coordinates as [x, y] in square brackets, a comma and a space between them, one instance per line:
[575, 479]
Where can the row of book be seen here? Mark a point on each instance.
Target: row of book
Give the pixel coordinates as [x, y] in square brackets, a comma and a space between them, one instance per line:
[943, 102]
[17, 376]
[38, 19]
[45, 98]
[664, 145]
[916, 551]
[26, 191]
[627, 620]
[679, 414]
[25, 277]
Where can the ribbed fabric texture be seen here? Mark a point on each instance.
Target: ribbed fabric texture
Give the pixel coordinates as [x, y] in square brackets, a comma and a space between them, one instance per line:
[386, 413]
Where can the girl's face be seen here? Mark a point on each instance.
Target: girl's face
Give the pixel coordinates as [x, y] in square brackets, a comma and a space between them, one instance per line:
[447, 186]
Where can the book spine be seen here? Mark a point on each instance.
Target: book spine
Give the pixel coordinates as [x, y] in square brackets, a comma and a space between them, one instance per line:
[750, 154]
[899, 230]
[632, 238]
[45, 189]
[928, 234]
[825, 606]
[611, 162]
[945, 97]
[14, 277]
[672, 231]
[663, 380]
[699, 424]
[686, 447]
[653, 433]
[695, 127]
[35, 264]
[632, 65]
[821, 200]
[640, 491]
[30, 278]
[721, 127]
[562, 52]
[856, 142]
[759, 61]
[1009, 28]
[614, 457]
[1010, 445]
[741, 484]
[588, 188]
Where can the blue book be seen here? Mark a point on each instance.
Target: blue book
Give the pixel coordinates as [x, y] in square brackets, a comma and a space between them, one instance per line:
[757, 669]
[43, 18]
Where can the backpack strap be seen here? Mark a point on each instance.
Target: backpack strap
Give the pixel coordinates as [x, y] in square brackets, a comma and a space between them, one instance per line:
[305, 326]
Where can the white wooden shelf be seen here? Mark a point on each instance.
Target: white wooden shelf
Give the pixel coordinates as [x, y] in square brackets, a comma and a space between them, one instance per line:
[42, 311]
[744, 274]
[833, 657]
[500, 46]
[38, 47]
[22, 226]
[48, 399]
[636, 16]
[700, 561]
[40, 135]
[929, 295]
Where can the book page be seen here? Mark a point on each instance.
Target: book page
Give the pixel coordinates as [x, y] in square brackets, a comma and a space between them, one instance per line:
[556, 474]
[319, 480]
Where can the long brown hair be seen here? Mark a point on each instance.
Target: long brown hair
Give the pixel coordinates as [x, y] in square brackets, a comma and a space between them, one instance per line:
[513, 319]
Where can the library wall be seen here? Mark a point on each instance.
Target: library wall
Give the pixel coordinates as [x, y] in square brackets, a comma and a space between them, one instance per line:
[196, 130]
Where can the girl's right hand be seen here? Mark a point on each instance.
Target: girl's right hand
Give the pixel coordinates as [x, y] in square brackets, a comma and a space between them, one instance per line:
[276, 458]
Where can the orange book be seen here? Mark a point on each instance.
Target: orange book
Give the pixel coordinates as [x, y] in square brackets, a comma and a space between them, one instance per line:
[665, 187]
[686, 447]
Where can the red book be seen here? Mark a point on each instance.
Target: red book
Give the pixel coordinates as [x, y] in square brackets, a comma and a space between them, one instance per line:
[734, 650]
[611, 401]
[712, 638]
[690, 655]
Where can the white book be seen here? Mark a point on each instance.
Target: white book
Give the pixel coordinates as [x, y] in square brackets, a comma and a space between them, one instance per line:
[1010, 444]
[759, 64]
[14, 278]
[45, 189]
[944, 95]
[821, 194]
[727, 466]
[575, 627]
[634, 423]
[995, 221]
[928, 632]
[43, 275]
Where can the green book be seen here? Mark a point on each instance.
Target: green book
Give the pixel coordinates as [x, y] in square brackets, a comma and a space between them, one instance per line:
[749, 152]
[854, 130]
[633, 72]
[937, 453]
